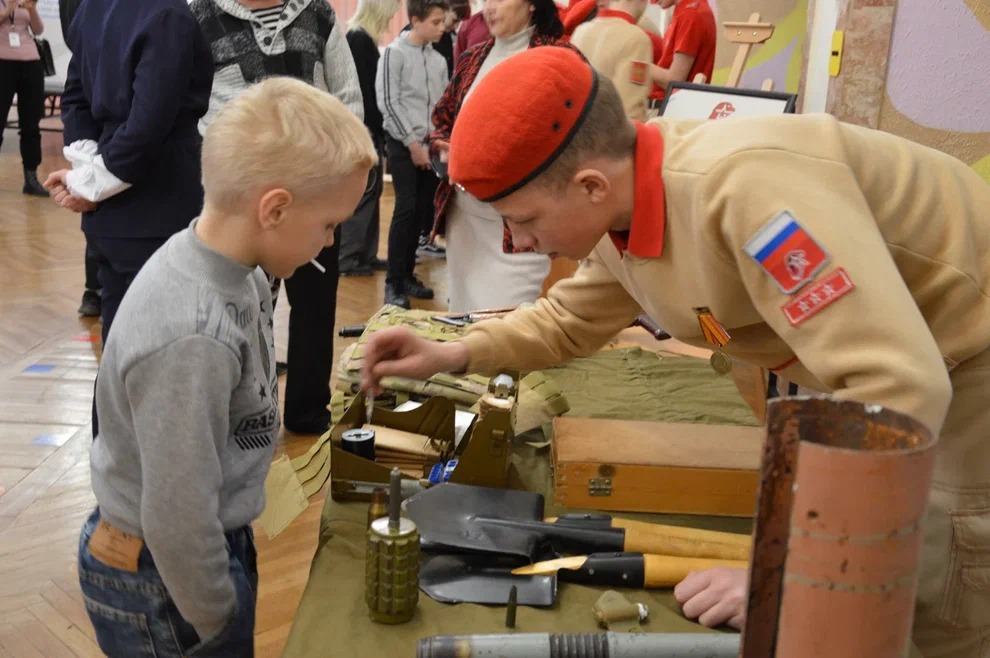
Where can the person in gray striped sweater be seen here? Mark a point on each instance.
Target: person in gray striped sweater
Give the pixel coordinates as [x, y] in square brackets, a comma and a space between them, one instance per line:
[302, 39]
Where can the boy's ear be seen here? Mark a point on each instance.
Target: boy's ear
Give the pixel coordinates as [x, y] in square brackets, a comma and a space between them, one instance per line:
[272, 208]
[594, 184]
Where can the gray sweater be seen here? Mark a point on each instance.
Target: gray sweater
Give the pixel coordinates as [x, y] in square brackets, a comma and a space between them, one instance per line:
[409, 82]
[187, 399]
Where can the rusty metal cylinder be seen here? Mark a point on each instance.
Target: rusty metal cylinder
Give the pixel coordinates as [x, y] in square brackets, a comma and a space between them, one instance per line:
[855, 535]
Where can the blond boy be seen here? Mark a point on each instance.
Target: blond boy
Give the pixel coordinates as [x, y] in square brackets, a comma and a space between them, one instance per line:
[852, 261]
[187, 389]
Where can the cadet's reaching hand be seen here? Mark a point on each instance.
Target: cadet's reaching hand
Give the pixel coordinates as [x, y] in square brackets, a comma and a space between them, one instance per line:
[398, 352]
[714, 596]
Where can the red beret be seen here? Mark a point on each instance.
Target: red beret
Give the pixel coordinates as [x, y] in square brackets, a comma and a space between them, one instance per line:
[518, 119]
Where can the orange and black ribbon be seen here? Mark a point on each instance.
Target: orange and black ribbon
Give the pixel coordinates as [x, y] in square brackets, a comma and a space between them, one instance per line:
[715, 334]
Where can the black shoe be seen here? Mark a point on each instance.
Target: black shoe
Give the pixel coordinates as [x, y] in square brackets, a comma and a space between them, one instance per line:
[32, 185]
[415, 288]
[281, 367]
[91, 305]
[396, 296]
[378, 265]
[358, 270]
[307, 426]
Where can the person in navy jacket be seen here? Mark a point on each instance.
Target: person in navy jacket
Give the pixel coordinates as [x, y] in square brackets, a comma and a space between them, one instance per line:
[138, 82]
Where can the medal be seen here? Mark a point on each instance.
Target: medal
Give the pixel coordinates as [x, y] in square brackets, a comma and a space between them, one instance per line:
[716, 336]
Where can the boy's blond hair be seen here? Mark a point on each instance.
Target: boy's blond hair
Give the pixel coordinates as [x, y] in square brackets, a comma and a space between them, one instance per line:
[281, 133]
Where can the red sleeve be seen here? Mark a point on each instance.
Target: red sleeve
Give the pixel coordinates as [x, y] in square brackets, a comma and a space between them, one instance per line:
[690, 35]
[657, 42]
[461, 44]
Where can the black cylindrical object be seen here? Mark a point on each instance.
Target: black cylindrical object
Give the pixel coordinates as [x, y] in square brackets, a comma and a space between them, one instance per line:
[582, 645]
[360, 442]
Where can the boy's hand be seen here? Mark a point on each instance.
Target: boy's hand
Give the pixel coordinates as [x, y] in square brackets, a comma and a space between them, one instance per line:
[397, 352]
[420, 156]
[714, 596]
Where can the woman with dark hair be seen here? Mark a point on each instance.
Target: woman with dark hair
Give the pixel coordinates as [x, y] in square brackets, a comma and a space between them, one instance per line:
[483, 268]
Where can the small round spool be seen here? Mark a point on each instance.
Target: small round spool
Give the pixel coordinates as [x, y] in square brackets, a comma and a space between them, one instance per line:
[360, 442]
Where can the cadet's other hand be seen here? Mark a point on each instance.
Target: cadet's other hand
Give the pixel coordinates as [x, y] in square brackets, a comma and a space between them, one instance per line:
[714, 596]
[396, 352]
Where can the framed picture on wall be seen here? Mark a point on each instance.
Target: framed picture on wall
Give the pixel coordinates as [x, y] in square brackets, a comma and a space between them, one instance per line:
[687, 100]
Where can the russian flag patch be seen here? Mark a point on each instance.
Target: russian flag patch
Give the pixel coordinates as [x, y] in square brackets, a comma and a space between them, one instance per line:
[787, 252]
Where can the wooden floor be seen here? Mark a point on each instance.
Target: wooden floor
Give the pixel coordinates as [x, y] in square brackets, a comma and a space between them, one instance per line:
[48, 361]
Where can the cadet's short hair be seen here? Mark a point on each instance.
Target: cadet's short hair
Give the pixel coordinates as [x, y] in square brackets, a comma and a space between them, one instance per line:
[421, 8]
[605, 132]
[281, 133]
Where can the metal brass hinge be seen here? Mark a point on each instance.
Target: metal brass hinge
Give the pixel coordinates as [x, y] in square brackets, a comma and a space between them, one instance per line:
[599, 486]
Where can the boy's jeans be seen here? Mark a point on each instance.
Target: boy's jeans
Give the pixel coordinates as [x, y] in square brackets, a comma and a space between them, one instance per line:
[133, 614]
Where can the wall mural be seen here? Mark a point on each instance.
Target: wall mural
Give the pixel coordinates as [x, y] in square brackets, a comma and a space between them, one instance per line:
[780, 58]
[938, 78]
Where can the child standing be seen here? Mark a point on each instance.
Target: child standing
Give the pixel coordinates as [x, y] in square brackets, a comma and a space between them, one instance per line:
[411, 78]
[187, 388]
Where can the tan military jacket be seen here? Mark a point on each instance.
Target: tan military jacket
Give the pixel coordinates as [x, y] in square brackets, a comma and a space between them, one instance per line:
[612, 44]
[891, 288]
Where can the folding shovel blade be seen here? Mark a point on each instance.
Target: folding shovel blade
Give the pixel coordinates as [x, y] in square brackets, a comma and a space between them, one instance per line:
[453, 515]
[483, 579]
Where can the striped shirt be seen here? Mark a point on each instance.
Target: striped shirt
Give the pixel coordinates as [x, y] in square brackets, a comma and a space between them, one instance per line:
[270, 16]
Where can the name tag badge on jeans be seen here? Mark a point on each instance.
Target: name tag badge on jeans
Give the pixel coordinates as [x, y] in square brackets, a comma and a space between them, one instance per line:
[15, 39]
[115, 548]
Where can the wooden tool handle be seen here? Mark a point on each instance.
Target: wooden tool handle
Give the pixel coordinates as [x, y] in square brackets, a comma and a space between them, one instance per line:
[667, 571]
[683, 542]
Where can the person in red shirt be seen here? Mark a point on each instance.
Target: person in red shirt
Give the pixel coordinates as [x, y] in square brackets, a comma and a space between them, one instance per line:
[688, 45]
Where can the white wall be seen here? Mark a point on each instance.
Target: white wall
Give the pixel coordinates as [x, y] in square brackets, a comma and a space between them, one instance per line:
[48, 9]
[820, 48]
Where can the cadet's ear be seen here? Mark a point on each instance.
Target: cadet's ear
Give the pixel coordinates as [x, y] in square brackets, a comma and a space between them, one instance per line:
[593, 184]
[272, 207]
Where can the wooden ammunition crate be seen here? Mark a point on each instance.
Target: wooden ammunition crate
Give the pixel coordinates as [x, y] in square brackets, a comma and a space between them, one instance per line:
[645, 466]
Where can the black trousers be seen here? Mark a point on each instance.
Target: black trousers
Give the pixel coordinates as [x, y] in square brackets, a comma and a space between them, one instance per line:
[92, 269]
[359, 234]
[117, 261]
[27, 80]
[414, 192]
[313, 300]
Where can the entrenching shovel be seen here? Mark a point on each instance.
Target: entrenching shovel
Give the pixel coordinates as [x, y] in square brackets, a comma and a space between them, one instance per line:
[483, 519]
[484, 579]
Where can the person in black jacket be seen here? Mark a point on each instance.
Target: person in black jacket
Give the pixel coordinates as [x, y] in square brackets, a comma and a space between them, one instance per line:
[89, 307]
[138, 82]
[359, 235]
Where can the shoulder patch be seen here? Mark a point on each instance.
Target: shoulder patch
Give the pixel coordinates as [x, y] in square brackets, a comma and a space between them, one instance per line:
[818, 296]
[787, 252]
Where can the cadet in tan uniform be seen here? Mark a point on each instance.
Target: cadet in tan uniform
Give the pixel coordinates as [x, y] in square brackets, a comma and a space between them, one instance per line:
[612, 42]
[849, 260]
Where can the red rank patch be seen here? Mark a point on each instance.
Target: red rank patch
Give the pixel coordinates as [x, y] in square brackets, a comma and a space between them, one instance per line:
[817, 297]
